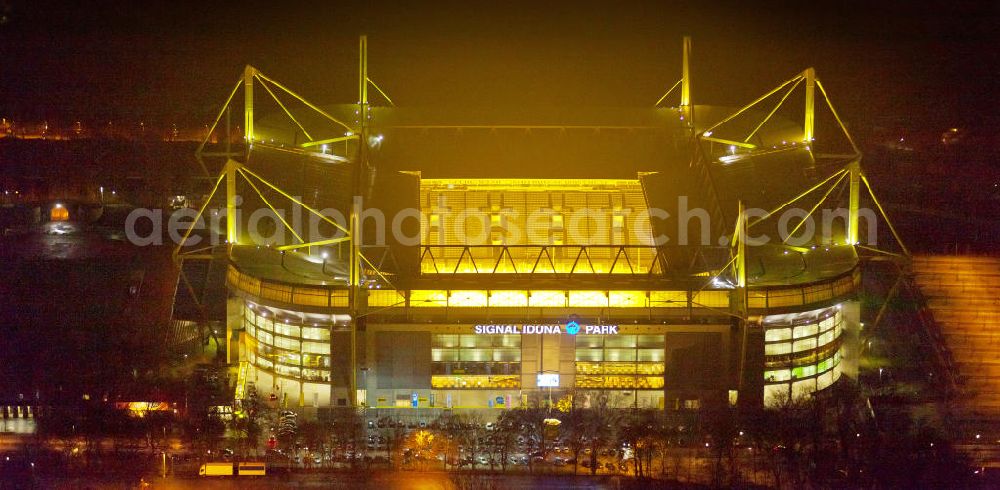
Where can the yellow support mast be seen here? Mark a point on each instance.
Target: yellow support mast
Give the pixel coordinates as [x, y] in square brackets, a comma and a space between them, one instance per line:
[355, 231]
[810, 120]
[686, 82]
[854, 169]
[248, 75]
[232, 166]
[740, 298]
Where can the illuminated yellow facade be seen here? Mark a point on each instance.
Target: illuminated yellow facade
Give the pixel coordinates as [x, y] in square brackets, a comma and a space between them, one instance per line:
[538, 273]
[511, 226]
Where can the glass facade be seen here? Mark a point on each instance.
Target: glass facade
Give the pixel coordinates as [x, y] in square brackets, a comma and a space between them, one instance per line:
[285, 347]
[620, 361]
[475, 361]
[802, 353]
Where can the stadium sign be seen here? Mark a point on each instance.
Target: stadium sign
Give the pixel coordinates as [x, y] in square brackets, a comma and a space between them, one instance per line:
[570, 328]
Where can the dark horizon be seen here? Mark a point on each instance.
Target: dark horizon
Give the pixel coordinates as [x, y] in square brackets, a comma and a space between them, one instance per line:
[918, 67]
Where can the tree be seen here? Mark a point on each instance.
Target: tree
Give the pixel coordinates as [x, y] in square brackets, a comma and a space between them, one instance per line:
[246, 423]
[530, 423]
[574, 430]
[313, 435]
[475, 438]
[599, 422]
[391, 431]
[638, 430]
[155, 426]
[719, 423]
[206, 433]
[347, 433]
[503, 437]
[786, 433]
[452, 427]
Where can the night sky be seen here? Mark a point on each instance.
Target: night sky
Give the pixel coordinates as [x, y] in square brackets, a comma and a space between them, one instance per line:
[912, 65]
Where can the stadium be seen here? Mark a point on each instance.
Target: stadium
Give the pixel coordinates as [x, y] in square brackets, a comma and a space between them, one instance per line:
[490, 258]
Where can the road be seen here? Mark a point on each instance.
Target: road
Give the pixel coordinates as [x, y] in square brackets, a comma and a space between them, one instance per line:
[383, 480]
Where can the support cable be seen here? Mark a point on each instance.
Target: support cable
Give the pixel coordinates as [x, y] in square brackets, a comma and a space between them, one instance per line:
[211, 129]
[276, 99]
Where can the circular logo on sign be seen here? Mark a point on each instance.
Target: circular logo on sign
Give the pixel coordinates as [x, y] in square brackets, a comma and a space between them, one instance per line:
[572, 328]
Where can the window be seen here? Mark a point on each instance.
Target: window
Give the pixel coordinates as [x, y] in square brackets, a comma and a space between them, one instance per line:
[444, 355]
[777, 334]
[778, 349]
[287, 370]
[316, 347]
[316, 333]
[803, 388]
[620, 341]
[507, 355]
[547, 298]
[286, 329]
[508, 298]
[668, 299]
[557, 221]
[618, 222]
[806, 330]
[428, 298]
[467, 298]
[286, 343]
[620, 361]
[649, 342]
[444, 382]
[588, 298]
[804, 371]
[475, 361]
[824, 380]
[445, 340]
[826, 338]
[826, 324]
[804, 345]
[775, 394]
[650, 355]
[316, 375]
[265, 322]
[627, 299]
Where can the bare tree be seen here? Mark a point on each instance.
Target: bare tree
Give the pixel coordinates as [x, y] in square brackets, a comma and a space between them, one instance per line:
[530, 423]
[346, 433]
[574, 430]
[503, 437]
